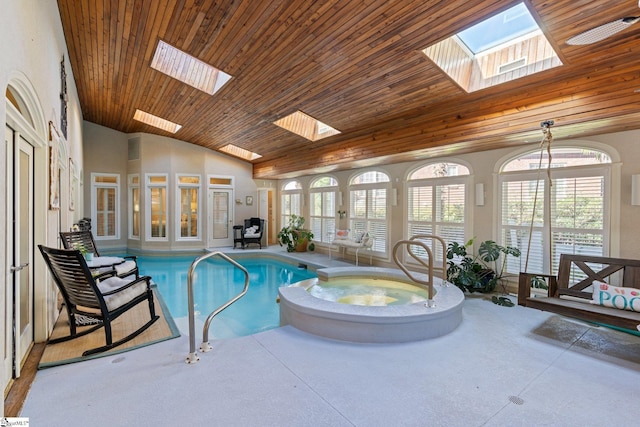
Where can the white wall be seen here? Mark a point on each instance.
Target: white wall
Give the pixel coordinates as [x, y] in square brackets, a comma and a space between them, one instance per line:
[483, 166]
[31, 50]
[106, 151]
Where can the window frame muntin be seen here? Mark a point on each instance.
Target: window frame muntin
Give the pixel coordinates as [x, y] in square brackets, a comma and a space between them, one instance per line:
[130, 211]
[335, 189]
[178, 203]
[386, 185]
[94, 200]
[148, 185]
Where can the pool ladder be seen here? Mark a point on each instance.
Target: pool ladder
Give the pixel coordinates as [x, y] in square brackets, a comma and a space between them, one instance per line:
[205, 346]
[416, 240]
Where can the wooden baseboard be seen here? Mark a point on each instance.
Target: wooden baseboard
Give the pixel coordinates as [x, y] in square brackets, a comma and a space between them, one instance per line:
[20, 388]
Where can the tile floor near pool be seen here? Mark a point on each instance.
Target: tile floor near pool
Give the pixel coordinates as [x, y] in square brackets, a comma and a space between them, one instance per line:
[501, 367]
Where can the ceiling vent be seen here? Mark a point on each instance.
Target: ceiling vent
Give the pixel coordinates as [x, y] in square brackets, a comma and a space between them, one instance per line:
[510, 66]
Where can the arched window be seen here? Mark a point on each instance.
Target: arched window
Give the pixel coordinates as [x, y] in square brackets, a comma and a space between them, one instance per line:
[436, 202]
[323, 208]
[571, 206]
[290, 201]
[368, 207]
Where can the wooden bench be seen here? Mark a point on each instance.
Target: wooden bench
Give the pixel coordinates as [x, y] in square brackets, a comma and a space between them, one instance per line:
[573, 301]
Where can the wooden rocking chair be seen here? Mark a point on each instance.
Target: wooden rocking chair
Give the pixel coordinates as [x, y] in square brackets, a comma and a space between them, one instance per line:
[104, 297]
[84, 240]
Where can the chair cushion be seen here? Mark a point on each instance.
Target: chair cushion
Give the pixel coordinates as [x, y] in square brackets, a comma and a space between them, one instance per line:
[121, 298]
[348, 243]
[252, 232]
[125, 267]
[342, 234]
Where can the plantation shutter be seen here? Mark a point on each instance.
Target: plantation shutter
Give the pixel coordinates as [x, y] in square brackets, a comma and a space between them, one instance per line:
[517, 208]
[369, 213]
[323, 211]
[577, 216]
[577, 212]
[437, 210]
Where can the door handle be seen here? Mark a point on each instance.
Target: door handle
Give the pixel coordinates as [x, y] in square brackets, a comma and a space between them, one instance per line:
[13, 269]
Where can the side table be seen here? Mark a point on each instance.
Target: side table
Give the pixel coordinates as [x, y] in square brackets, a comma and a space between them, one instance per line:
[237, 236]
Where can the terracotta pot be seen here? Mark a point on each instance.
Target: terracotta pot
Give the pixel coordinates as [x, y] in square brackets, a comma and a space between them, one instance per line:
[302, 245]
[302, 242]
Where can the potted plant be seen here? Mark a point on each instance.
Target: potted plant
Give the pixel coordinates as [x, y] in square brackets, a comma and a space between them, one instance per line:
[86, 254]
[294, 236]
[481, 272]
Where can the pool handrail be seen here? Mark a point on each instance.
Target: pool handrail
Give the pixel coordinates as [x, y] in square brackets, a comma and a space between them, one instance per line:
[192, 357]
[443, 267]
[414, 242]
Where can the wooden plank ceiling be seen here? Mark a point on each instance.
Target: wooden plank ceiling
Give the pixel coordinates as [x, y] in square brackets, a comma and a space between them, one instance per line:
[355, 65]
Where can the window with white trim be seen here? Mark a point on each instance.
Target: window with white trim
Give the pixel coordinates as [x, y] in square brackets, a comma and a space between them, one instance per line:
[105, 209]
[290, 201]
[188, 208]
[156, 207]
[368, 207]
[134, 206]
[436, 203]
[323, 208]
[571, 207]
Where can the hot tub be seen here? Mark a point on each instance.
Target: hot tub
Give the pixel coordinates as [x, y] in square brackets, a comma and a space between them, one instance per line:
[391, 323]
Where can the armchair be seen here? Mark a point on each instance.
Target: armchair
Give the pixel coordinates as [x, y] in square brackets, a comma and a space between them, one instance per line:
[252, 233]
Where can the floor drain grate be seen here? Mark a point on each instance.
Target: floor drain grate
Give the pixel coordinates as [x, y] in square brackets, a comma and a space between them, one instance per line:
[516, 400]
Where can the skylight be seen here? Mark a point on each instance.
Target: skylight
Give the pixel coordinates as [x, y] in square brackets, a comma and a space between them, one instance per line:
[306, 126]
[499, 29]
[502, 48]
[189, 70]
[156, 121]
[240, 152]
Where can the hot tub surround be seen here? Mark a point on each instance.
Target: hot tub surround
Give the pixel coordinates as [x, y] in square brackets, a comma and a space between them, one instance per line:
[370, 324]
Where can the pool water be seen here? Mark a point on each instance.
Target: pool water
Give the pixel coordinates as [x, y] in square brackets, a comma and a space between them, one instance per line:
[371, 291]
[217, 281]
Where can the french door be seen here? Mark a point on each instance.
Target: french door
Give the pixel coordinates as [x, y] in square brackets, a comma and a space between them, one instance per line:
[19, 253]
[220, 218]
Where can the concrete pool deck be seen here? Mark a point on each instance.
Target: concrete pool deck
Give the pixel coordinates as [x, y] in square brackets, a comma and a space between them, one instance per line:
[501, 367]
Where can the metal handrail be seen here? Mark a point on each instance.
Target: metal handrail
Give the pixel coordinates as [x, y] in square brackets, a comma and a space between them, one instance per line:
[443, 266]
[205, 346]
[414, 242]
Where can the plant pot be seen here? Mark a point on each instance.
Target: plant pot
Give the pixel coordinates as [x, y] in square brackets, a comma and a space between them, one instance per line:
[301, 239]
[486, 283]
[302, 245]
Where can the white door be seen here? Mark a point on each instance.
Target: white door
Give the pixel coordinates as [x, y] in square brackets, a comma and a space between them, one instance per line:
[220, 218]
[19, 292]
[265, 211]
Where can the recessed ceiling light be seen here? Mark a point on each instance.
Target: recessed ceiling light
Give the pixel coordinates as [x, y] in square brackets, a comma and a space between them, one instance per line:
[306, 126]
[156, 121]
[240, 152]
[188, 69]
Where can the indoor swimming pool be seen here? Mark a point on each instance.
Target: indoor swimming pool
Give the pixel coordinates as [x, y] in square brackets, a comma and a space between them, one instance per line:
[216, 282]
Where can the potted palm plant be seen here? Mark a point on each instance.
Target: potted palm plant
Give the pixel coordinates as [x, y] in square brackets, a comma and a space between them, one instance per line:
[294, 236]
